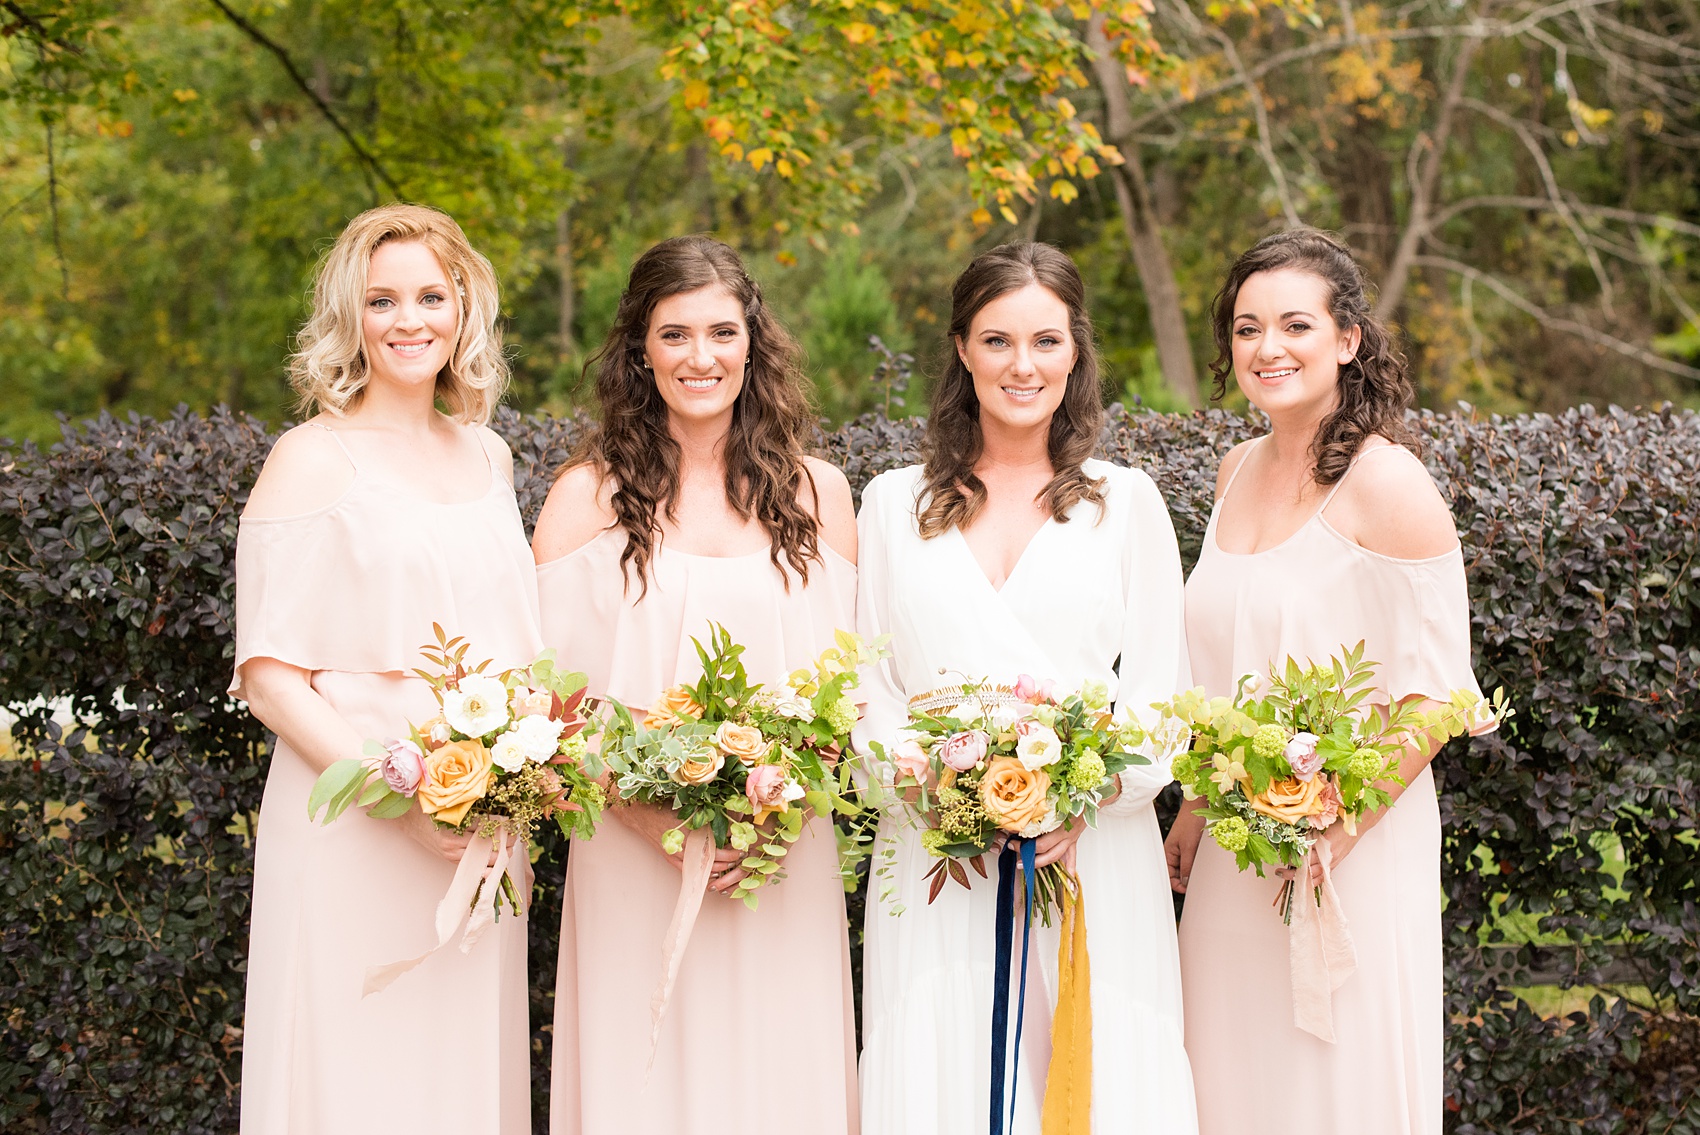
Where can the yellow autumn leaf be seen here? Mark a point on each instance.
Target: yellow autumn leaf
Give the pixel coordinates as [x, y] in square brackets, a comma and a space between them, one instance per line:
[696, 94]
[859, 33]
[1008, 213]
[759, 157]
[719, 127]
[732, 150]
[1063, 190]
[784, 168]
[980, 217]
[186, 94]
[789, 259]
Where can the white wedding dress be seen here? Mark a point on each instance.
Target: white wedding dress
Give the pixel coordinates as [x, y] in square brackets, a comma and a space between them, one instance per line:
[1083, 594]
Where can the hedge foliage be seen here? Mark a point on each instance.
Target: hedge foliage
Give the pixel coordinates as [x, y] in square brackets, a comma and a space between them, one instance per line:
[124, 851]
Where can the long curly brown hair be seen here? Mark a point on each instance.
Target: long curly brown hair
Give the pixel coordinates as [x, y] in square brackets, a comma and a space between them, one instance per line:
[1375, 387]
[952, 493]
[633, 449]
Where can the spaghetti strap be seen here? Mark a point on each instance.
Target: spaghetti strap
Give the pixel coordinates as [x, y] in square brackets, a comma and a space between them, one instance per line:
[339, 444]
[1235, 475]
[1362, 453]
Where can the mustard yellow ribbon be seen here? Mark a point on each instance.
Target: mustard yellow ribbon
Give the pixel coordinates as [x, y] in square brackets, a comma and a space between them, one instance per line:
[1068, 1083]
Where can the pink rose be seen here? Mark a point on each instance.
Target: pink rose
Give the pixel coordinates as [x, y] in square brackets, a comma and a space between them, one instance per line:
[910, 759]
[962, 751]
[1330, 805]
[770, 790]
[1302, 755]
[403, 767]
[1029, 689]
[532, 703]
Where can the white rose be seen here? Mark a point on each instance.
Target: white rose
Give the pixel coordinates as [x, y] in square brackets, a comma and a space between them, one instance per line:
[539, 736]
[1002, 718]
[1050, 823]
[969, 712]
[1038, 746]
[797, 709]
[478, 707]
[509, 752]
[792, 790]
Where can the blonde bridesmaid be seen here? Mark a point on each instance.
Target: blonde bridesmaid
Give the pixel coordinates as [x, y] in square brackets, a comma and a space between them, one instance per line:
[1326, 531]
[693, 502]
[370, 521]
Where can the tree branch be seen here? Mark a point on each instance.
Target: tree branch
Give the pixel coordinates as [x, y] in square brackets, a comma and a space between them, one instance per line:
[1629, 216]
[369, 164]
[1422, 185]
[35, 25]
[1558, 323]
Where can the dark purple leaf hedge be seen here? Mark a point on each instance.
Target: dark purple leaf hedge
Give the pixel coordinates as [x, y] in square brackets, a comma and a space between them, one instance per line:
[125, 862]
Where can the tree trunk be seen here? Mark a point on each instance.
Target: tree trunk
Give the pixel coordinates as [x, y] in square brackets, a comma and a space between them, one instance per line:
[564, 264]
[1139, 221]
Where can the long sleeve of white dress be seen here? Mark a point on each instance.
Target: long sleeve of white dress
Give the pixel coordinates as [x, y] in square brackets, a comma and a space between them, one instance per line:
[1153, 665]
[1084, 594]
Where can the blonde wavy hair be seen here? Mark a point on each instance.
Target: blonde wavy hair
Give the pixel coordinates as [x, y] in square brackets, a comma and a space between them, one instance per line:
[329, 368]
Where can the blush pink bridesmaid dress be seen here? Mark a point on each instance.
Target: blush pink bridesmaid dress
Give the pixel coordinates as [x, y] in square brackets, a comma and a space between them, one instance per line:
[759, 1034]
[349, 592]
[1307, 598]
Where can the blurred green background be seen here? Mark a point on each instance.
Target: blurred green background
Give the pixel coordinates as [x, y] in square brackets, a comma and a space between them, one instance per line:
[1519, 178]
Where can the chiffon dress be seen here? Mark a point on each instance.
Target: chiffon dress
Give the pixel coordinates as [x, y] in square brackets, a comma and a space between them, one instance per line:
[1083, 595]
[758, 1037]
[1308, 598]
[349, 592]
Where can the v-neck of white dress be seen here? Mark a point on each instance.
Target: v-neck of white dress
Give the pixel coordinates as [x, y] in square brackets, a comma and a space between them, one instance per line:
[1015, 569]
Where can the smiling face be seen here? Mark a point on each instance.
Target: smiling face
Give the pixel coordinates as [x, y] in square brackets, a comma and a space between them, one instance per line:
[1288, 351]
[411, 315]
[1020, 352]
[697, 346]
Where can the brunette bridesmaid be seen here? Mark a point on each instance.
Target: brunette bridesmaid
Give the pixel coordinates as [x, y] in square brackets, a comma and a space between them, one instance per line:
[370, 521]
[693, 502]
[1326, 531]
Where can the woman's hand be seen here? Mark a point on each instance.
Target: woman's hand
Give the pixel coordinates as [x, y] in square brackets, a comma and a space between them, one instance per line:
[1058, 844]
[651, 821]
[1181, 848]
[1339, 846]
[423, 830]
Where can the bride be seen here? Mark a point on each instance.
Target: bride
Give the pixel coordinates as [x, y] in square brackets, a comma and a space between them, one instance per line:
[1012, 551]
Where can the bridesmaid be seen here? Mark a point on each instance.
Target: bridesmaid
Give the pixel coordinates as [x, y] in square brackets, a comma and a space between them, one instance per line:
[1326, 531]
[1012, 551]
[371, 520]
[693, 502]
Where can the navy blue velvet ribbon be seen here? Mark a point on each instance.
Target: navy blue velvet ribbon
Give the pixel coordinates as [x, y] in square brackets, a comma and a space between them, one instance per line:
[1005, 931]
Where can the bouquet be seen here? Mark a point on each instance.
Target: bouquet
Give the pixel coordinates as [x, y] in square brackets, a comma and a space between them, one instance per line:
[1277, 771]
[983, 760]
[744, 762]
[505, 753]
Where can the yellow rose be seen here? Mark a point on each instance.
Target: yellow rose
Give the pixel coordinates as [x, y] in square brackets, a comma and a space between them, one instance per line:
[1013, 794]
[742, 741]
[673, 707]
[456, 777]
[700, 766]
[1289, 800]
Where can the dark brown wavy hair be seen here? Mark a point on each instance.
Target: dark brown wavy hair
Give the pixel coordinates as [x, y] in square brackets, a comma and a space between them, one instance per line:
[952, 494]
[1375, 387]
[771, 417]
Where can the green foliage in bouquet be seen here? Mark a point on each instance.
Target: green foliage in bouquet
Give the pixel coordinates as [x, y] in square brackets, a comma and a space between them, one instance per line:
[1275, 771]
[506, 751]
[983, 760]
[747, 762]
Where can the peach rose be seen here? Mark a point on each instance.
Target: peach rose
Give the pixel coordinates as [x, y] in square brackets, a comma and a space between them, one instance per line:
[700, 766]
[742, 741]
[1013, 794]
[673, 707]
[1290, 801]
[456, 777]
